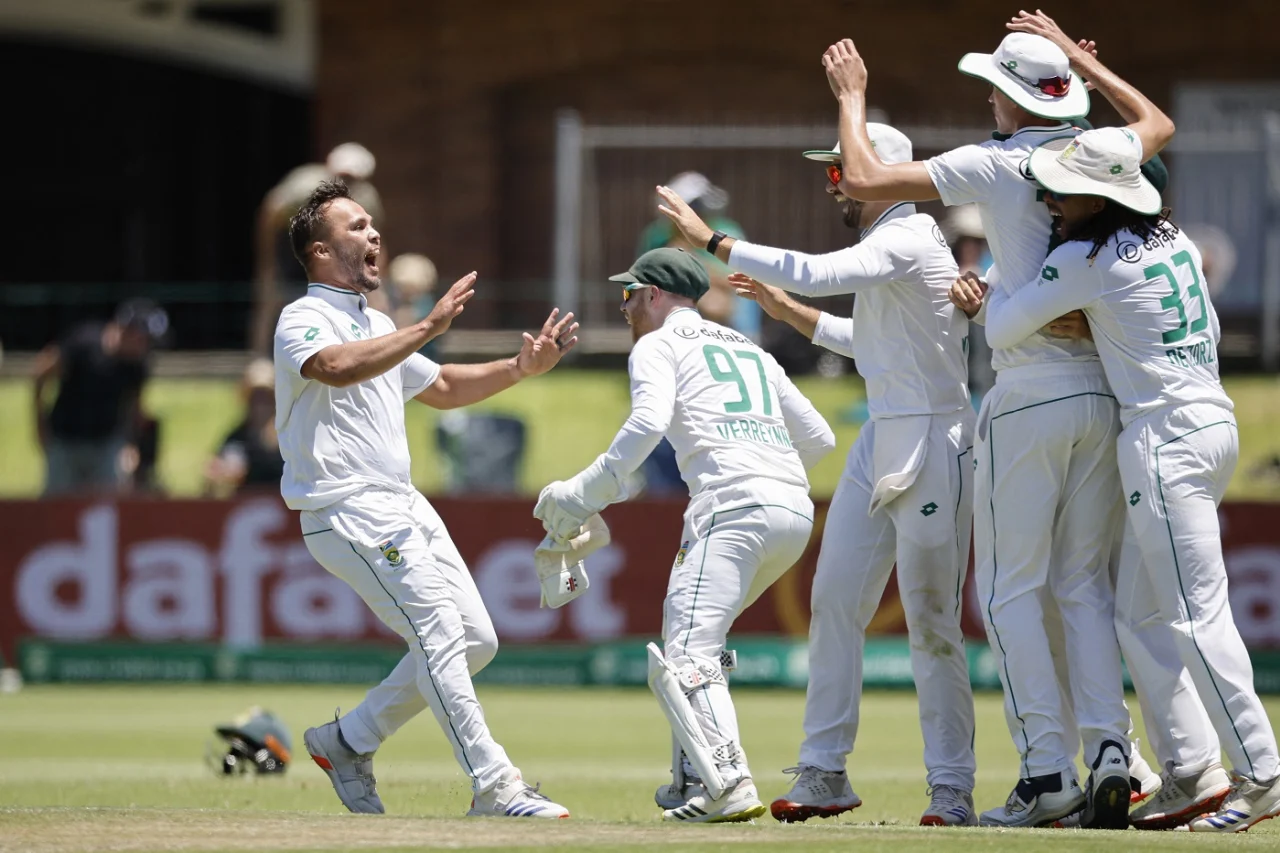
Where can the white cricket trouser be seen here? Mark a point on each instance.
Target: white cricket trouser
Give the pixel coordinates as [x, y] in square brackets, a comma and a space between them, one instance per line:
[926, 529]
[1175, 464]
[756, 532]
[1178, 726]
[394, 551]
[1046, 495]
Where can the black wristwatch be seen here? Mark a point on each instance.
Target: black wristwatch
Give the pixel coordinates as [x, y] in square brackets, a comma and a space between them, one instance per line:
[714, 242]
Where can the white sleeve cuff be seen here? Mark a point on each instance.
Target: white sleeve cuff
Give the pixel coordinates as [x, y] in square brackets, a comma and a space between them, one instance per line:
[835, 333]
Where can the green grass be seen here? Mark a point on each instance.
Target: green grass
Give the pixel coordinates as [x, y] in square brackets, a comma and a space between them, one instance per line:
[119, 768]
[571, 416]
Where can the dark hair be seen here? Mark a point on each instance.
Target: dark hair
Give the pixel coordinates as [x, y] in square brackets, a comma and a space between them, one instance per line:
[1103, 225]
[309, 221]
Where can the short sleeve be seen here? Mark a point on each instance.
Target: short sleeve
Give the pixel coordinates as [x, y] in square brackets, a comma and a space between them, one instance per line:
[300, 334]
[418, 374]
[963, 175]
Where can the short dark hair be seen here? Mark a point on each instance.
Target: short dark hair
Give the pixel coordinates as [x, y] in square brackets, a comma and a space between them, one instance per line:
[309, 221]
[1113, 218]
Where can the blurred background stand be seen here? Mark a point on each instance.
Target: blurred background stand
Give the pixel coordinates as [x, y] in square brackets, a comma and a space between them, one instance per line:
[482, 452]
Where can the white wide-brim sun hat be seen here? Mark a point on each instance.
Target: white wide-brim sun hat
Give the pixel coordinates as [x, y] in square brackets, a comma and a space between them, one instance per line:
[1034, 73]
[1106, 162]
[891, 146]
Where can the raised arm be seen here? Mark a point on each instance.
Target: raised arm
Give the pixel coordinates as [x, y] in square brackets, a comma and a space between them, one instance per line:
[863, 175]
[825, 330]
[343, 364]
[1144, 118]
[463, 384]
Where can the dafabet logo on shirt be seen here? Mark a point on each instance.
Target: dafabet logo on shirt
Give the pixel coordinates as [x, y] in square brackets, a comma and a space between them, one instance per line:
[391, 553]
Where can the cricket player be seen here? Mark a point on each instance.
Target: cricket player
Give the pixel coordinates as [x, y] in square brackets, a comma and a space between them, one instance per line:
[343, 375]
[744, 438]
[906, 494]
[1140, 282]
[1046, 509]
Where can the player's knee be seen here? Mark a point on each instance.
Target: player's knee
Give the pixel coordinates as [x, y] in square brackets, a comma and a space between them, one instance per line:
[697, 671]
[482, 646]
[833, 593]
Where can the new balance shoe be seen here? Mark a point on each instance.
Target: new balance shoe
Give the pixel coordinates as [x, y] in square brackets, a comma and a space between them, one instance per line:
[1108, 790]
[815, 793]
[1143, 781]
[1248, 803]
[1038, 801]
[1181, 800]
[512, 797]
[739, 803]
[350, 772]
[949, 806]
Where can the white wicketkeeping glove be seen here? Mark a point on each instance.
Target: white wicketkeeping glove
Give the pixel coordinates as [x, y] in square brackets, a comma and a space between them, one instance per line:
[565, 505]
[561, 570]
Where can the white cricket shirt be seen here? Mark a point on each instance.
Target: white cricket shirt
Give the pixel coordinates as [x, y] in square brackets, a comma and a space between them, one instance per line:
[994, 175]
[1148, 307]
[337, 441]
[906, 338]
[728, 409]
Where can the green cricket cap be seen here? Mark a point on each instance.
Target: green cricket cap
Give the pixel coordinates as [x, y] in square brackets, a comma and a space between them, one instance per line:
[673, 270]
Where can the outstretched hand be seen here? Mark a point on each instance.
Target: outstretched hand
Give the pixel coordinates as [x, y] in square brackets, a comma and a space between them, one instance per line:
[771, 299]
[540, 354]
[690, 224]
[846, 72]
[451, 304]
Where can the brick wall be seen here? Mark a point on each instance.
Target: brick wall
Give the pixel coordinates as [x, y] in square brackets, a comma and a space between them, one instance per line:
[457, 99]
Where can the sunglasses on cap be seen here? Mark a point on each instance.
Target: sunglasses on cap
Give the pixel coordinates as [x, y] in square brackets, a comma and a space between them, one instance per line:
[628, 289]
[1054, 87]
[834, 173]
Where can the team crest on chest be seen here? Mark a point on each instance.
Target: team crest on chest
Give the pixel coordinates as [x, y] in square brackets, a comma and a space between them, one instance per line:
[684, 549]
[391, 553]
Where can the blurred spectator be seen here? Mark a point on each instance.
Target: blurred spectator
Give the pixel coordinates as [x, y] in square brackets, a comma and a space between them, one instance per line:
[968, 241]
[709, 201]
[278, 277]
[1217, 253]
[90, 435]
[249, 457]
[411, 285]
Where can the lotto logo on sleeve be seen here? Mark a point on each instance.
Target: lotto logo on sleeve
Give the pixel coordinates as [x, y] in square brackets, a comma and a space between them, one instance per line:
[1049, 274]
[391, 553]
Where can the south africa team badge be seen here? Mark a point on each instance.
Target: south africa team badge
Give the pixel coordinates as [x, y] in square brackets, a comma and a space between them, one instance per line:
[684, 549]
[390, 551]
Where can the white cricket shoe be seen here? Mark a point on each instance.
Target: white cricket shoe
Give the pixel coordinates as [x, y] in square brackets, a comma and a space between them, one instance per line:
[1181, 800]
[1039, 801]
[815, 793]
[739, 803]
[350, 772]
[512, 797]
[670, 797]
[1143, 781]
[1248, 803]
[949, 806]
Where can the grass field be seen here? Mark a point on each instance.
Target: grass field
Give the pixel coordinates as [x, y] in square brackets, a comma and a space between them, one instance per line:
[571, 415]
[118, 768]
